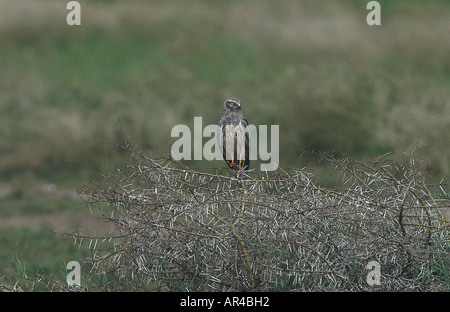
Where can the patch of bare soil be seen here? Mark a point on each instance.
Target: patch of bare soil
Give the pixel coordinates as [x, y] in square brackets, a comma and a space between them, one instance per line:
[61, 222]
[64, 222]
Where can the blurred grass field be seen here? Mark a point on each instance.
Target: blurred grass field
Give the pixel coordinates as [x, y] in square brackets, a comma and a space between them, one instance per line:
[332, 83]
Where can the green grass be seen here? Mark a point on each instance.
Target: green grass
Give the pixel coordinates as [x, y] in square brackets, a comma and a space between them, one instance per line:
[331, 82]
[64, 92]
[33, 252]
[39, 205]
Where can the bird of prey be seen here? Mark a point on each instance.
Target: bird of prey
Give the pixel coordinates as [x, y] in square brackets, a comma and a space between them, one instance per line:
[234, 139]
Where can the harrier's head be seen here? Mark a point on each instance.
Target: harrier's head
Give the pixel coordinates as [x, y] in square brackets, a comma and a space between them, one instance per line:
[232, 104]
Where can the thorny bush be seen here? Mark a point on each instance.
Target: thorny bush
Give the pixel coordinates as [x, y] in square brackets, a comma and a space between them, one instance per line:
[186, 229]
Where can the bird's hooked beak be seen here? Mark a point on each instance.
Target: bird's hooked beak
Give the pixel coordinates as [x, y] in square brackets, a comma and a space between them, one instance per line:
[232, 103]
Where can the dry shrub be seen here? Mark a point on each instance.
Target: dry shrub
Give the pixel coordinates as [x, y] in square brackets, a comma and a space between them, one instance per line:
[184, 229]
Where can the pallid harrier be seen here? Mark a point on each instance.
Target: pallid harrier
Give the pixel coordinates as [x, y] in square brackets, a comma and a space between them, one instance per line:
[234, 138]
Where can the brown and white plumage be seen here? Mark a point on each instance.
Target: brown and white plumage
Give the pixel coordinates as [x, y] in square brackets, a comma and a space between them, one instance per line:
[234, 138]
